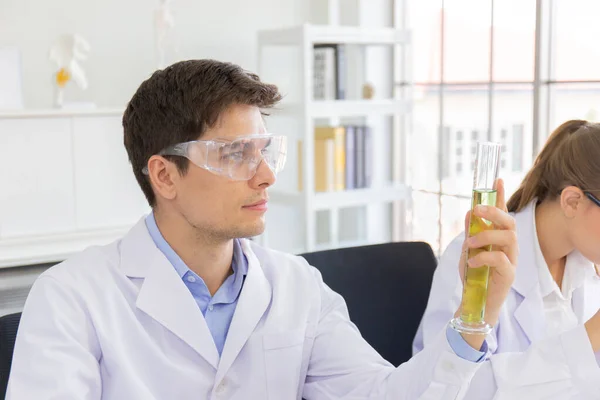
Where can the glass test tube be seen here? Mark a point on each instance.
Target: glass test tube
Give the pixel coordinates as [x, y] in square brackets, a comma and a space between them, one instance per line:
[472, 314]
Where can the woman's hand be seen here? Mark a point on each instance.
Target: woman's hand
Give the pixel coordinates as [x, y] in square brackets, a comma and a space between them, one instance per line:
[502, 258]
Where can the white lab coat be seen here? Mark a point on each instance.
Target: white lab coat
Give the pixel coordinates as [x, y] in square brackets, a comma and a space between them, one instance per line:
[117, 322]
[525, 364]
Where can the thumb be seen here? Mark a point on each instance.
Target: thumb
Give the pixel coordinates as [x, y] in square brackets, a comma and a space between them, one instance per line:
[467, 222]
[500, 195]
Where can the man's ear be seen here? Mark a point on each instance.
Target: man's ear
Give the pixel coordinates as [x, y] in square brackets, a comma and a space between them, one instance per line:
[570, 201]
[162, 177]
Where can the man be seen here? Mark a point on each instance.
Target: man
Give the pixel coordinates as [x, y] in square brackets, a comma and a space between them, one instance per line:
[184, 308]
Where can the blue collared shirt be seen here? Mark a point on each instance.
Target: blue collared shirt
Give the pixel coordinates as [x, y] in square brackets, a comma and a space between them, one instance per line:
[218, 309]
[463, 349]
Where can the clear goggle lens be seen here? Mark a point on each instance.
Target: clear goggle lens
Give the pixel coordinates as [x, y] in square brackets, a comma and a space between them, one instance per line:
[238, 159]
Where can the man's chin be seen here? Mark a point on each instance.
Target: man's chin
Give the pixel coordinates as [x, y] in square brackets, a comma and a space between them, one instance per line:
[255, 229]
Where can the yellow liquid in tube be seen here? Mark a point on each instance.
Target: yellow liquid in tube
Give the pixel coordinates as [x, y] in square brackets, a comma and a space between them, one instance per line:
[476, 279]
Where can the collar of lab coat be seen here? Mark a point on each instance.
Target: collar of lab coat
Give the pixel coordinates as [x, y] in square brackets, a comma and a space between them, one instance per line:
[530, 312]
[165, 298]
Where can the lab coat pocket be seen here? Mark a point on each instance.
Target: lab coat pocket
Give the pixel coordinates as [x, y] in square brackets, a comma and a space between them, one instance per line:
[283, 363]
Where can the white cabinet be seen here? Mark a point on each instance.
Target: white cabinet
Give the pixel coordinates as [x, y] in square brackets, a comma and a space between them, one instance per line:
[36, 175]
[66, 184]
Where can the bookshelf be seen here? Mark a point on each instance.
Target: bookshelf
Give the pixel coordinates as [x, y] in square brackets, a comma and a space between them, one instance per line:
[346, 108]
[307, 113]
[317, 34]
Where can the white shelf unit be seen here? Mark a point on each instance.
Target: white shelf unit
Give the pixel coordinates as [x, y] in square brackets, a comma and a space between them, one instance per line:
[342, 199]
[346, 108]
[306, 110]
[316, 34]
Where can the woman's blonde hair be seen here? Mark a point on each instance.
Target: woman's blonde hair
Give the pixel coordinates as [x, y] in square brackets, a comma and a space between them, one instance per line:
[570, 157]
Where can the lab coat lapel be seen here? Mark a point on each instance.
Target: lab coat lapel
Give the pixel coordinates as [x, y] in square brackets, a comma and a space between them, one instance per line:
[252, 304]
[530, 312]
[530, 315]
[163, 295]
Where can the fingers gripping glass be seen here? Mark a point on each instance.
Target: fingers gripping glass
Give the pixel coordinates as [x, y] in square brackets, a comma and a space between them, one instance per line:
[236, 160]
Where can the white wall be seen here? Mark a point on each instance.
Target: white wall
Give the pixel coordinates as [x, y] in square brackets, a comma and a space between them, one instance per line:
[122, 39]
[121, 35]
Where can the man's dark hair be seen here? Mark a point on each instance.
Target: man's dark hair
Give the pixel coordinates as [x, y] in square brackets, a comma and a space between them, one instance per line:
[179, 103]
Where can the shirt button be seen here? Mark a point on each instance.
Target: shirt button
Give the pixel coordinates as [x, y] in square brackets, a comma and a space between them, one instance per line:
[191, 279]
[211, 307]
[221, 387]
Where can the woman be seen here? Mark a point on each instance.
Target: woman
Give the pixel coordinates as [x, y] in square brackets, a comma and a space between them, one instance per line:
[555, 298]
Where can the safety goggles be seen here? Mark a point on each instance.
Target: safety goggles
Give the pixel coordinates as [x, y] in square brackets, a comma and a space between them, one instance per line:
[238, 159]
[592, 198]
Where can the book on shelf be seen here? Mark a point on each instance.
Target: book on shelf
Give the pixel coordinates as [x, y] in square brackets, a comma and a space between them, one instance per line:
[329, 72]
[368, 156]
[330, 158]
[350, 156]
[342, 158]
[324, 158]
[363, 156]
[359, 146]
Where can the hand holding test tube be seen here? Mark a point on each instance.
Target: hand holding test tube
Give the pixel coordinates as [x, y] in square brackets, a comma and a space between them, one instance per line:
[485, 248]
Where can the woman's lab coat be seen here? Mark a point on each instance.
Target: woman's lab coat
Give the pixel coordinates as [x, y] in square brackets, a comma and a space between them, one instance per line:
[523, 357]
[117, 322]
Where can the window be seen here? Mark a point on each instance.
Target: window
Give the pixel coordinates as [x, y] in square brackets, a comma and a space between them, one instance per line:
[517, 148]
[570, 87]
[473, 68]
[475, 65]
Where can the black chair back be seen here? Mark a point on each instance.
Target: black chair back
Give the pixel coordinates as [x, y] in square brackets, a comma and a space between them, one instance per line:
[8, 333]
[385, 286]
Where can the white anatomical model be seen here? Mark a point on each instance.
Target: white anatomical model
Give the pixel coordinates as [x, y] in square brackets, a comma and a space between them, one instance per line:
[67, 53]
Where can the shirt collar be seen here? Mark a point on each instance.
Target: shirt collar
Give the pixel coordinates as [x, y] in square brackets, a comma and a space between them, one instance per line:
[577, 271]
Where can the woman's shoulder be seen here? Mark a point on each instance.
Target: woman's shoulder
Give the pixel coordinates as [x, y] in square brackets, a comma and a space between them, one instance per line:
[454, 248]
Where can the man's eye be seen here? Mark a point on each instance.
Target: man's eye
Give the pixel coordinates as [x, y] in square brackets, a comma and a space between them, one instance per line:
[233, 156]
[267, 144]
